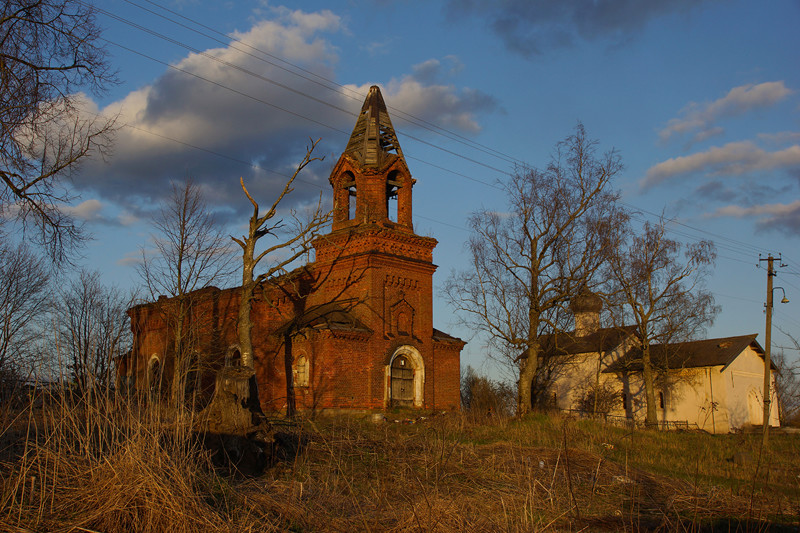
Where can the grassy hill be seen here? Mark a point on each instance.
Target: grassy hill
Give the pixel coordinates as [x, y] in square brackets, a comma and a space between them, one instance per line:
[83, 470]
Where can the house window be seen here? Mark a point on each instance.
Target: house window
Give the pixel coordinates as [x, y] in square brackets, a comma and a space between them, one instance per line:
[300, 371]
[624, 401]
[661, 400]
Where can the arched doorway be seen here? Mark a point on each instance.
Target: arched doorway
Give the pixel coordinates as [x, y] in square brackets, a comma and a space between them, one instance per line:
[402, 375]
[406, 378]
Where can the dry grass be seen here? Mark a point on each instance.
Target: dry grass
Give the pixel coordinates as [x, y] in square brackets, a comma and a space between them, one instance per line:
[109, 469]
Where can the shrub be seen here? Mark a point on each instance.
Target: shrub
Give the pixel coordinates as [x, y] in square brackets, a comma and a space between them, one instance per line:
[481, 395]
[599, 399]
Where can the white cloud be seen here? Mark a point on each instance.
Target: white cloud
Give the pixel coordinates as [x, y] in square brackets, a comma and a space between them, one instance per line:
[131, 259]
[441, 104]
[433, 70]
[739, 100]
[240, 113]
[87, 210]
[756, 210]
[127, 219]
[781, 137]
[731, 159]
[780, 217]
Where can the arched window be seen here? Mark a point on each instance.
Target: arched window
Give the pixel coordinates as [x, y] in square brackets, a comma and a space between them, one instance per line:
[403, 323]
[233, 357]
[154, 375]
[392, 186]
[349, 186]
[300, 371]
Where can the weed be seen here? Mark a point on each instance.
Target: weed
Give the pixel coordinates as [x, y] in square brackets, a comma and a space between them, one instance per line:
[111, 466]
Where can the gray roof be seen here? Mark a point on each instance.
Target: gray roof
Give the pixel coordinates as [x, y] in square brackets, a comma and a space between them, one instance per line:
[441, 336]
[373, 138]
[691, 354]
[602, 340]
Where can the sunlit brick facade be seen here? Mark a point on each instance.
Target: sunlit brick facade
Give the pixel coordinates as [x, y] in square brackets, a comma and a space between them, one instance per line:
[351, 330]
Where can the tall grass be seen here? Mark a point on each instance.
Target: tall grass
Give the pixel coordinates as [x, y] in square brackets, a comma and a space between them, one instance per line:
[99, 464]
[109, 466]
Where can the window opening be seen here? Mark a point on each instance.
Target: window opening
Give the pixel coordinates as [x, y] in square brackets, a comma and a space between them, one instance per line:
[300, 371]
[234, 358]
[154, 377]
[351, 204]
[392, 186]
[349, 186]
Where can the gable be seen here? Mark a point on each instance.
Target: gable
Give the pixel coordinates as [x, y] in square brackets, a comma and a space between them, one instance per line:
[750, 360]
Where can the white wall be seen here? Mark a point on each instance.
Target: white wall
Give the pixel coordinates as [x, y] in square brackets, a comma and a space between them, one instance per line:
[714, 399]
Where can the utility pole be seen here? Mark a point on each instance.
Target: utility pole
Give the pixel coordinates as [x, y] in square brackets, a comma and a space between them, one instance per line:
[768, 345]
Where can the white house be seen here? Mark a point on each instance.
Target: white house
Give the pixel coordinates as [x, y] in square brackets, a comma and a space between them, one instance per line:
[715, 384]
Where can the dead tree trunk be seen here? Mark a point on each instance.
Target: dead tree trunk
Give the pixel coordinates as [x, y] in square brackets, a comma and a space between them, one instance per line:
[297, 243]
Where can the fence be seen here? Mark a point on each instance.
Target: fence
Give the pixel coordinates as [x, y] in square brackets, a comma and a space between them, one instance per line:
[632, 423]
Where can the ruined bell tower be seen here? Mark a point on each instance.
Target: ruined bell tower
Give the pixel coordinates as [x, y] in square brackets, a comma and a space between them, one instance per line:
[382, 271]
[371, 172]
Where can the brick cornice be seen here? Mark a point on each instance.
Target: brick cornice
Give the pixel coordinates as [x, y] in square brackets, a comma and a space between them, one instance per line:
[373, 239]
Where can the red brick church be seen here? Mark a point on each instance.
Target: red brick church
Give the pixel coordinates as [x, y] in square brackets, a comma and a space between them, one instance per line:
[351, 330]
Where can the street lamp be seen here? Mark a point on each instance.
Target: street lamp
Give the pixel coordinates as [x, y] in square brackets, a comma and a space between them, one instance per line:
[784, 300]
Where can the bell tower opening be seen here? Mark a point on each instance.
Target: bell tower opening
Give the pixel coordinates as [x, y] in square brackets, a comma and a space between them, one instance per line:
[372, 170]
[392, 187]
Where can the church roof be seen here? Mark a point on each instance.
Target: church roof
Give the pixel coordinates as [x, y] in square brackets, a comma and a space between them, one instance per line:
[692, 354]
[373, 138]
[441, 336]
[602, 340]
[329, 316]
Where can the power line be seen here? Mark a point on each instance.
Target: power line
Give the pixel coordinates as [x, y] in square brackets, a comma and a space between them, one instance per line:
[734, 245]
[223, 86]
[338, 88]
[749, 300]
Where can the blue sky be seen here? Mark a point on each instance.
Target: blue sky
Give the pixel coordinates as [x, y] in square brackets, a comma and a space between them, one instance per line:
[701, 99]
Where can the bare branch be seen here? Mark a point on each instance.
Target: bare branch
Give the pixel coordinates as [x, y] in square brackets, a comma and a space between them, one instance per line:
[191, 253]
[661, 293]
[49, 52]
[298, 243]
[551, 240]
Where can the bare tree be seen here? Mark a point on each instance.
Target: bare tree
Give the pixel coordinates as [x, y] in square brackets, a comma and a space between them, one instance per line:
[191, 252]
[662, 293]
[283, 253]
[24, 296]
[91, 329]
[49, 50]
[558, 228]
[787, 383]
